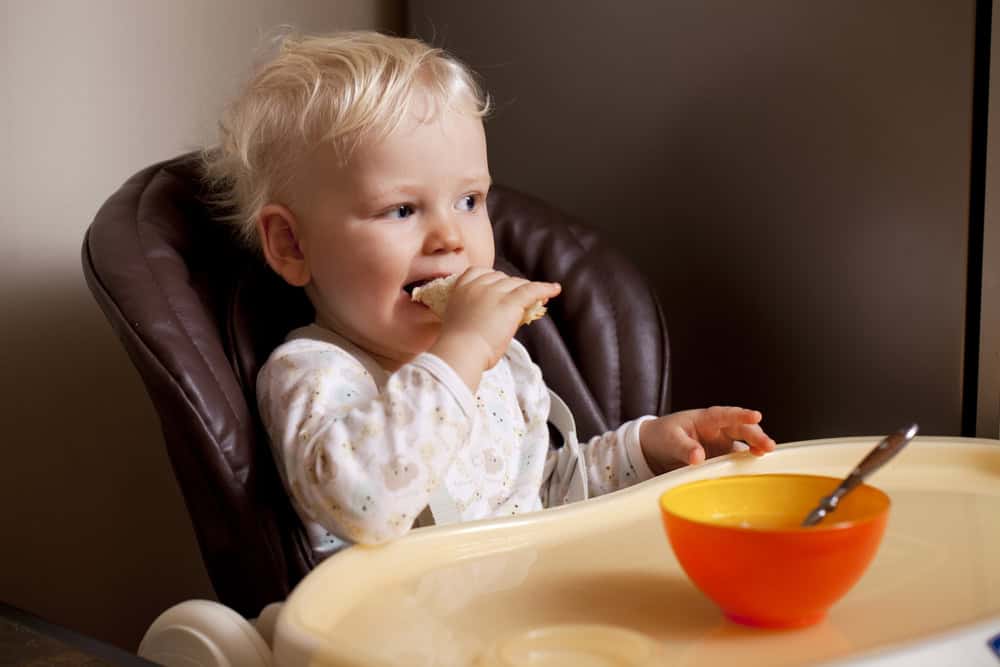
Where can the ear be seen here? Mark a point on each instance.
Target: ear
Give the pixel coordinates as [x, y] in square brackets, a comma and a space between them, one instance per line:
[279, 238]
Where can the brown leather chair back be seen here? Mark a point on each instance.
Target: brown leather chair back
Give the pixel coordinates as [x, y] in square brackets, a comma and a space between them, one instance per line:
[199, 315]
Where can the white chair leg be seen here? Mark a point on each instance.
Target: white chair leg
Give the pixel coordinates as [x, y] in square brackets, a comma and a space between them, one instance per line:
[201, 633]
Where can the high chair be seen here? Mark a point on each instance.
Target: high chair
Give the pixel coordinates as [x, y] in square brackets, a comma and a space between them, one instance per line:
[198, 316]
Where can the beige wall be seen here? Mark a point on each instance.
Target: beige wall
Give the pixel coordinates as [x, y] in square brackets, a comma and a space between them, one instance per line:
[95, 534]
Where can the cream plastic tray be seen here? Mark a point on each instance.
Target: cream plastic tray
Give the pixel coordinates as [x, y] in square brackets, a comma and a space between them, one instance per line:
[596, 583]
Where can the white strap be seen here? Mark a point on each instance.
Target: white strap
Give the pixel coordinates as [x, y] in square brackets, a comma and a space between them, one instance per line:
[562, 419]
[442, 507]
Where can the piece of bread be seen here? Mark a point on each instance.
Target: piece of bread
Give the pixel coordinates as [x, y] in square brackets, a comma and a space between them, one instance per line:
[436, 293]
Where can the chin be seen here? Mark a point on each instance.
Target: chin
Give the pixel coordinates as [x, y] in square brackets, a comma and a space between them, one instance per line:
[421, 342]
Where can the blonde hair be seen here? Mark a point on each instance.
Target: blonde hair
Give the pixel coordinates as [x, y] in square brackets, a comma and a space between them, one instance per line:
[337, 90]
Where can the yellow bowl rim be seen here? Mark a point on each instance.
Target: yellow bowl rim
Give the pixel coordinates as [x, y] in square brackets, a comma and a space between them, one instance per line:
[824, 526]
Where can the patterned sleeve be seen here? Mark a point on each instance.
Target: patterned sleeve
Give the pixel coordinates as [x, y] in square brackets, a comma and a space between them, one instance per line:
[615, 459]
[360, 462]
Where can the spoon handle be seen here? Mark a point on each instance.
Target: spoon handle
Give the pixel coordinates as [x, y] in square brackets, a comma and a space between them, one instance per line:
[876, 458]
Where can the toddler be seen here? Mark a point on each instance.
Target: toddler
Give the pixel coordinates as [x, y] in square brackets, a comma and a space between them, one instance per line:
[357, 164]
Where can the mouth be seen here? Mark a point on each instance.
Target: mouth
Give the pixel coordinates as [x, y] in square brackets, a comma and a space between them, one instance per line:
[409, 287]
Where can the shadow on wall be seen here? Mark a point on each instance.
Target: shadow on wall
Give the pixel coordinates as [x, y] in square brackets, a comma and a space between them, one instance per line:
[792, 182]
[100, 541]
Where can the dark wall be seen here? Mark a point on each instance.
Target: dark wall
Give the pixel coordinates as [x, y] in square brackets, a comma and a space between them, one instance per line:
[792, 177]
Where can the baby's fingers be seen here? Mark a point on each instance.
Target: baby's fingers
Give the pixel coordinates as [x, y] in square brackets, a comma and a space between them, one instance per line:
[478, 276]
[723, 417]
[740, 424]
[528, 293]
[755, 438]
[684, 448]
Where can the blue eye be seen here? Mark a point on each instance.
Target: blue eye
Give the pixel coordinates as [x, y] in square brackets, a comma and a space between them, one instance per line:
[468, 203]
[400, 212]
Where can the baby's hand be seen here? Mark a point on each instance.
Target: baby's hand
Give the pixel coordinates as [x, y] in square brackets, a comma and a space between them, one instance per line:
[484, 311]
[691, 436]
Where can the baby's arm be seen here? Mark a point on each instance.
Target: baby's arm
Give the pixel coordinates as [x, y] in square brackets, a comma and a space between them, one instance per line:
[359, 462]
[648, 446]
[691, 436]
[615, 459]
[638, 449]
[485, 309]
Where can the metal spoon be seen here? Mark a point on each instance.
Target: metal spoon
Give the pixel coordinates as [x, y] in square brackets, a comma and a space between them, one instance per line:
[876, 458]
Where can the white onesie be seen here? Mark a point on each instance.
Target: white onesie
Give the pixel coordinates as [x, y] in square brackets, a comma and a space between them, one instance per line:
[364, 452]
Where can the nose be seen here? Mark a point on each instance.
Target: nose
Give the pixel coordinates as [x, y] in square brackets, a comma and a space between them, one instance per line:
[444, 234]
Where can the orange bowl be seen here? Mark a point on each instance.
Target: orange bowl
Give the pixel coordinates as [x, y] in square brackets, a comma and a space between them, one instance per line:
[739, 540]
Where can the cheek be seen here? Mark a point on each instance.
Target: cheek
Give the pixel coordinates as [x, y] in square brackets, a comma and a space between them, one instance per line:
[481, 249]
[385, 264]
[375, 260]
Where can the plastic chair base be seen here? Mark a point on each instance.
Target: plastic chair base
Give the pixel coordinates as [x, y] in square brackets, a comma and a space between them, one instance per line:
[202, 633]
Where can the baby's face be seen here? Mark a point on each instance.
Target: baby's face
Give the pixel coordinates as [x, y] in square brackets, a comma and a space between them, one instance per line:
[407, 209]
